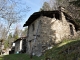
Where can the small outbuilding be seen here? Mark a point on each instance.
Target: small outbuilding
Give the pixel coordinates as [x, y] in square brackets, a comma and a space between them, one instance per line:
[20, 45]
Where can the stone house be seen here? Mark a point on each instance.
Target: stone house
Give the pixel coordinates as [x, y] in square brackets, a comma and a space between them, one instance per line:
[46, 28]
[20, 45]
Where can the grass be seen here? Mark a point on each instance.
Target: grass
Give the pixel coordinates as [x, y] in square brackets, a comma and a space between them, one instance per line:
[67, 50]
[1, 58]
[20, 57]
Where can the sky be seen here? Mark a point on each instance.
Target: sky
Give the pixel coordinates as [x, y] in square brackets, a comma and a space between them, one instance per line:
[34, 6]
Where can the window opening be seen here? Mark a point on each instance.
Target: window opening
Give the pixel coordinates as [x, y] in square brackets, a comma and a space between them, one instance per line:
[71, 30]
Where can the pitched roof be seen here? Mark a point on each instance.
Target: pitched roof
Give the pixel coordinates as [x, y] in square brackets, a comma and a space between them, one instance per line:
[36, 15]
[22, 38]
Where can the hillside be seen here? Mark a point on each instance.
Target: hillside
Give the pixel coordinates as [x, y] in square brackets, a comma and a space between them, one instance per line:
[67, 50]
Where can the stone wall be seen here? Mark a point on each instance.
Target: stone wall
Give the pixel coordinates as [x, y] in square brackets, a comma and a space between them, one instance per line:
[34, 45]
[55, 30]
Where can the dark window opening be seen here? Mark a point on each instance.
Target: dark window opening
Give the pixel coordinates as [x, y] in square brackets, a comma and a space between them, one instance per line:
[71, 30]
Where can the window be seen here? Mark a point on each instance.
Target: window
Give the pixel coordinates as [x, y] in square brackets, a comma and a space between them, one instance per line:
[71, 30]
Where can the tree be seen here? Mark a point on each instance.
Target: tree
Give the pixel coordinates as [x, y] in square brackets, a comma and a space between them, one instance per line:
[16, 33]
[24, 32]
[3, 32]
[10, 14]
[70, 8]
[9, 41]
[49, 5]
[76, 3]
[45, 7]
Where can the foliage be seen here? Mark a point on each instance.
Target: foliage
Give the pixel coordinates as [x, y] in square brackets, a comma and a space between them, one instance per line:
[76, 3]
[6, 44]
[16, 34]
[45, 7]
[48, 6]
[73, 10]
[10, 39]
[24, 32]
[3, 31]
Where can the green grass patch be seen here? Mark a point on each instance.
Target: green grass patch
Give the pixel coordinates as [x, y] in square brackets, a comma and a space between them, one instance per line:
[21, 57]
[1, 58]
[67, 50]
